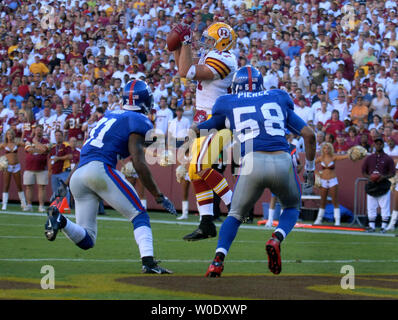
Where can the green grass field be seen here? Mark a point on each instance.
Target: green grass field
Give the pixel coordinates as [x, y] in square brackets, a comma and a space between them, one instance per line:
[91, 274]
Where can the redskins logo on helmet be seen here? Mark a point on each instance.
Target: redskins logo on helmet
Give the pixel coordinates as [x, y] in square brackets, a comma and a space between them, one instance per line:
[223, 35]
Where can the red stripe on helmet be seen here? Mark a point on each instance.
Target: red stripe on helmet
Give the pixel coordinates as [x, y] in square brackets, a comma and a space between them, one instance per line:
[249, 74]
[131, 92]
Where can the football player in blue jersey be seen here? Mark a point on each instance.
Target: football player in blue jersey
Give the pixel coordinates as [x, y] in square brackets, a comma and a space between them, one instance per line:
[118, 134]
[259, 119]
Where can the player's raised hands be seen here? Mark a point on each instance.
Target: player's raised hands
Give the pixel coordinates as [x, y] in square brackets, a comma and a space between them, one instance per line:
[184, 32]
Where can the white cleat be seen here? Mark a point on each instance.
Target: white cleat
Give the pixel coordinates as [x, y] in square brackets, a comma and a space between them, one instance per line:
[182, 217]
[318, 221]
[28, 208]
[269, 225]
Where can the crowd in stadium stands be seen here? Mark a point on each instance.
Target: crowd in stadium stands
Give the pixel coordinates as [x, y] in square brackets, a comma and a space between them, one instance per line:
[63, 63]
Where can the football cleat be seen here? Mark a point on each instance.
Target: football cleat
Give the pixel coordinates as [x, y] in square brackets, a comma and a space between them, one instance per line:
[215, 269]
[204, 231]
[273, 248]
[53, 223]
[155, 269]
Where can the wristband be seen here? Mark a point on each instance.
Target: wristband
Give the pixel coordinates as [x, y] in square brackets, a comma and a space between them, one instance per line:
[310, 165]
[191, 72]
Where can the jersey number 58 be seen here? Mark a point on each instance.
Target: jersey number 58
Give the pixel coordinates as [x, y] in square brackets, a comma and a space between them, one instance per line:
[272, 114]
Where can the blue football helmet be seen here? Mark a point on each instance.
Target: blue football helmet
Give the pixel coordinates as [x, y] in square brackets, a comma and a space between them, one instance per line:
[137, 96]
[247, 78]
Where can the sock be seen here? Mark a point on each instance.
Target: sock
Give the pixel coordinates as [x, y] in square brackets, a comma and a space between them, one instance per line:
[5, 199]
[384, 223]
[185, 206]
[321, 213]
[143, 234]
[372, 223]
[219, 185]
[287, 221]
[278, 235]
[86, 242]
[143, 201]
[72, 230]
[220, 255]
[271, 215]
[227, 234]
[204, 197]
[148, 261]
[337, 215]
[21, 196]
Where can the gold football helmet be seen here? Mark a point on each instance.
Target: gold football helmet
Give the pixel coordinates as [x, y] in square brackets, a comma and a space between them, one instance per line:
[222, 35]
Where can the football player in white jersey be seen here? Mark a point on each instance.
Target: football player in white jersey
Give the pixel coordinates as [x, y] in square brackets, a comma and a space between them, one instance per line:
[213, 72]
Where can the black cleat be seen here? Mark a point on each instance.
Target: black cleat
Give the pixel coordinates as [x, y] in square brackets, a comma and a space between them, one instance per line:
[204, 231]
[53, 223]
[155, 269]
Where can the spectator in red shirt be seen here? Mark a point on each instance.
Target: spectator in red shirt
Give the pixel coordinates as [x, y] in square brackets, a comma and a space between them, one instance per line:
[340, 146]
[58, 164]
[36, 168]
[75, 152]
[74, 123]
[334, 126]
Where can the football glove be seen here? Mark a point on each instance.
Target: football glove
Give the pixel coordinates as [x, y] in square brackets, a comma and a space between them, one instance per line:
[167, 204]
[184, 32]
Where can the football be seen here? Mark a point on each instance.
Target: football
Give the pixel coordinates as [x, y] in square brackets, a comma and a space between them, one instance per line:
[173, 40]
[375, 176]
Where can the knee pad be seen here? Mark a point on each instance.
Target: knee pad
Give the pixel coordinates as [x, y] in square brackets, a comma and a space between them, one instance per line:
[86, 243]
[141, 220]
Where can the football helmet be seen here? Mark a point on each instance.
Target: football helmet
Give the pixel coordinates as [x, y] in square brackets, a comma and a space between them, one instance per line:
[247, 78]
[137, 96]
[223, 35]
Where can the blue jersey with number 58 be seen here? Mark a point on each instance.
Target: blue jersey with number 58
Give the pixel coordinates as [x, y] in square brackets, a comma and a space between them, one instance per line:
[108, 140]
[258, 118]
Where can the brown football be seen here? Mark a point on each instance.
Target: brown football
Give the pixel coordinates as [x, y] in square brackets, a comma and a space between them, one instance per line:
[173, 40]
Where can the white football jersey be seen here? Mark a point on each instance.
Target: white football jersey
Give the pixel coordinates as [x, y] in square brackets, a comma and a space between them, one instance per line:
[223, 64]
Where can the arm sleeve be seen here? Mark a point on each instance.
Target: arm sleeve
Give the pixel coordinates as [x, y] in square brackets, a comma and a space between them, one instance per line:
[285, 99]
[139, 125]
[217, 121]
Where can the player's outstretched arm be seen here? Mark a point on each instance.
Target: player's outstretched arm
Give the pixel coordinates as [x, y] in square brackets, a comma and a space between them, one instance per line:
[136, 149]
[310, 150]
[310, 143]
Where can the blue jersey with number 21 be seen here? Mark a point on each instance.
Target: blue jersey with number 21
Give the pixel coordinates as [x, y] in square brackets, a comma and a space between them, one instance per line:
[259, 118]
[108, 140]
